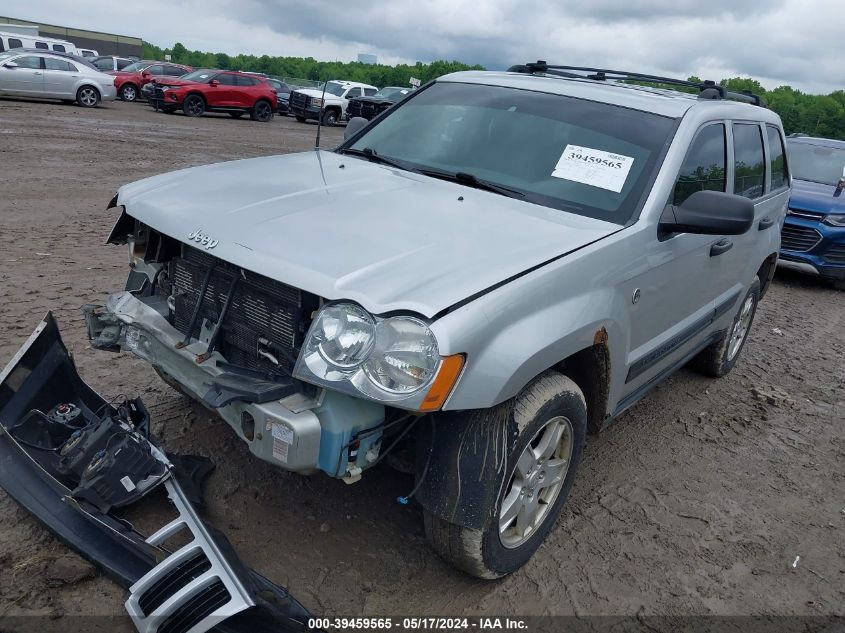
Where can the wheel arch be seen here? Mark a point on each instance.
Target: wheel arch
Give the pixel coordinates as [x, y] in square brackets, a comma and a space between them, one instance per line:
[766, 273]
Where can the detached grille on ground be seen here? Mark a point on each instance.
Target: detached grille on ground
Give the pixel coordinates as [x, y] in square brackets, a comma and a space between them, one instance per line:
[799, 238]
[266, 321]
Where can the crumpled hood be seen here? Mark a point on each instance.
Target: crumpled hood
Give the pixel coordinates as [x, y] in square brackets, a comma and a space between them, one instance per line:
[815, 196]
[344, 228]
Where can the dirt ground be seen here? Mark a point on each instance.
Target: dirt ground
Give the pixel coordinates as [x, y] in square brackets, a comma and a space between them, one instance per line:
[700, 500]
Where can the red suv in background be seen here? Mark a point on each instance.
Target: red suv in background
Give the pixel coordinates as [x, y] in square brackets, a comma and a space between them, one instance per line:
[217, 91]
[131, 79]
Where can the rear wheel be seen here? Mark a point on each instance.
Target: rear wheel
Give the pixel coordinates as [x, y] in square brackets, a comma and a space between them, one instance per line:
[87, 96]
[262, 111]
[128, 92]
[194, 106]
[720, 357]
[546, 428]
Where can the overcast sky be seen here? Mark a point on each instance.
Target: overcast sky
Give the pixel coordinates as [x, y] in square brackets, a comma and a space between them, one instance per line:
[776, 41]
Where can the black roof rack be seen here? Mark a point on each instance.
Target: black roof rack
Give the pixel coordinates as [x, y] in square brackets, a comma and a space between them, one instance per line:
[706, 89]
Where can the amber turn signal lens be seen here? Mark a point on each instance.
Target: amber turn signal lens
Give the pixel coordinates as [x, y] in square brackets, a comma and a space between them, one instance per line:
[446, 378]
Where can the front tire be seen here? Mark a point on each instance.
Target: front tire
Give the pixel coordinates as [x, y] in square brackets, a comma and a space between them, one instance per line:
[262, 111]
[330, 118]
[546, 429]
[88, 97]
[194, 106]
[720, 357]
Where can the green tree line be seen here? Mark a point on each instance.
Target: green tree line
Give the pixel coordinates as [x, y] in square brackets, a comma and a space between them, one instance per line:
[309, 68]
[817, 115]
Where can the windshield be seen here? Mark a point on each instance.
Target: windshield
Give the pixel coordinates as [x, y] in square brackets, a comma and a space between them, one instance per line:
[816, 162]
[387, 93]
[334, 88]
[136, 67]
[201, 75]
[593, 159]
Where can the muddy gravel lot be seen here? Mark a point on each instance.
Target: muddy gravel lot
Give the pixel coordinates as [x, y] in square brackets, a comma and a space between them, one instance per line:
[700, 500]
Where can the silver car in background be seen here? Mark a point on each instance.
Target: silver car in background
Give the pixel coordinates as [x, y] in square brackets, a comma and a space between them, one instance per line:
[25, 73]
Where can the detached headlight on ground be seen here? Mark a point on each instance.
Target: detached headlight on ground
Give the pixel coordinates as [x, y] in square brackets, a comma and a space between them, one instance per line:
[393, 360]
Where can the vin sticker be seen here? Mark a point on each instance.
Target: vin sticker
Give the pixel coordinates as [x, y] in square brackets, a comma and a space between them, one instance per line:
[280, 449]
[283, 433]
[593, 167]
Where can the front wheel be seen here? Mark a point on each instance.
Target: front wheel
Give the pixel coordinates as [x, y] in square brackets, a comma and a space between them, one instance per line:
[330, 118]
[194, 106]
[129, 93]
[546, 426]
[262, 111]
[720, 357]
[87, 96]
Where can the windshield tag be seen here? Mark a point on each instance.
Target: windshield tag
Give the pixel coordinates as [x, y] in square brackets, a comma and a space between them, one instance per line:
[593, 167]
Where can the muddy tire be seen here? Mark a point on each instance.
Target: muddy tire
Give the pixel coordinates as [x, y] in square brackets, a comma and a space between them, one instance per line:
[194, 106]
[720, 357]
[546, 430]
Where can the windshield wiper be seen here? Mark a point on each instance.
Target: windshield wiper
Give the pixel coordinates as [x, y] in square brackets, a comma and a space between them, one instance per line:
[374, 157]
[471, 180]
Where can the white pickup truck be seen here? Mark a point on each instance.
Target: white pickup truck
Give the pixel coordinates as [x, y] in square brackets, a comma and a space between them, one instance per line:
[311, 103]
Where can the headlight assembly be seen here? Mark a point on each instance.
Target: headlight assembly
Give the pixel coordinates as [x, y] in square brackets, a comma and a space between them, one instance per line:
[317, 103]
[835, 220]
[393, 360]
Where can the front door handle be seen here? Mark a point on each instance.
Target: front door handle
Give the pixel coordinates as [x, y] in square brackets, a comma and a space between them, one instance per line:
[722, 246]
[37, 72]
[766, 223]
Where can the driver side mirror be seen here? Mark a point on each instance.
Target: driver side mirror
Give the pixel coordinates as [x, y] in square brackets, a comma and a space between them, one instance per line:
[355, 125]
[10, 65]
[213, 83]
[709, 213]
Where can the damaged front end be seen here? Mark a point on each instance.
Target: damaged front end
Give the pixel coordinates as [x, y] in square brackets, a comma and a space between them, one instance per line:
[75, 461]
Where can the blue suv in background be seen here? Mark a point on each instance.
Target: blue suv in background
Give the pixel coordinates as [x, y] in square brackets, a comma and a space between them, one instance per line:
[813, 237]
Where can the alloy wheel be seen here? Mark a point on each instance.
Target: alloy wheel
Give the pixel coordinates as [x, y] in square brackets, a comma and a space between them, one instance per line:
[536, 482]
[88, 97]
[740, 328]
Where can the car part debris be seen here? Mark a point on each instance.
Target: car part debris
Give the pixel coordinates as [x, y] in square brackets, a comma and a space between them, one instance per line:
[71, 458]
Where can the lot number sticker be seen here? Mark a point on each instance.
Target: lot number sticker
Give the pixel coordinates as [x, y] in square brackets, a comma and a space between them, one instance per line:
[593, 167]
[282, 439]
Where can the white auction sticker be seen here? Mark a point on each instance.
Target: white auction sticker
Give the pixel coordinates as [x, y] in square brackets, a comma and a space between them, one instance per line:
[593, 167]
[280, 449]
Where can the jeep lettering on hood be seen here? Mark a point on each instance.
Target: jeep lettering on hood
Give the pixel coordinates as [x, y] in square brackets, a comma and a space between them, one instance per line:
[345, 228]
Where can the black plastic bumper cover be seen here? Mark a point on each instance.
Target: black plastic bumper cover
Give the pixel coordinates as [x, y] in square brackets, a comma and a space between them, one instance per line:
[43, 372]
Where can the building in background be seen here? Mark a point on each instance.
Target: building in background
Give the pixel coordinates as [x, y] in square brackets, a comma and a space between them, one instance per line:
[364, 58]
[103, 43]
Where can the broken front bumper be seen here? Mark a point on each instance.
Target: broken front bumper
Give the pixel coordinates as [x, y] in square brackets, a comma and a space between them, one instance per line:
[71, 459]
[278, 422]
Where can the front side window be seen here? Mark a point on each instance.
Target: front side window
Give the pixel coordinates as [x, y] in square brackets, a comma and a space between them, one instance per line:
[353, 92]
[592, 159]
[704, 167]
[749, 161]
[777, 158]
[156, 69]
[15, 43]
[58, 64]
[59, 48]
[174, 71]
[227, 79]
[42, 45]
[30, 61]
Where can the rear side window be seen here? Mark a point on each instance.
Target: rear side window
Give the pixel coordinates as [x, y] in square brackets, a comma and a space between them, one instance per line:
[58, 64]
[59, 47]
[353, 92]
[42, 45]
[245, 81]
[15, 43]
[370, 91]
[749, 162]
[777, 158]
[155, 70]
[174, 71]
[227, 79]
[704, 167]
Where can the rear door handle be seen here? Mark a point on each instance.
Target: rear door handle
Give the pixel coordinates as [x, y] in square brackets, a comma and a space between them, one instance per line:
[766, 223]
[37, 72]
[722, 246]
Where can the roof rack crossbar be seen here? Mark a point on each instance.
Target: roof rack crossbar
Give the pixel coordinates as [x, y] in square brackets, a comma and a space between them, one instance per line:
[707, 89]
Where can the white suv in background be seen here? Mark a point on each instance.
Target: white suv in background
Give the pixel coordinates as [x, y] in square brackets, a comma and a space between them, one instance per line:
[311, 103]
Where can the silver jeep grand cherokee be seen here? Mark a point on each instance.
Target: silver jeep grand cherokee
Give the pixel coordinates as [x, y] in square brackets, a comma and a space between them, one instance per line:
[497, 266]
